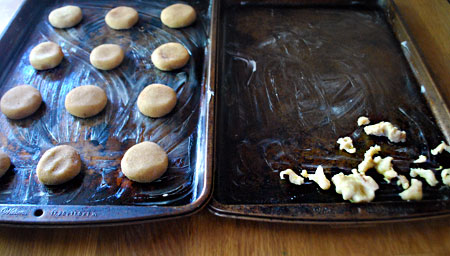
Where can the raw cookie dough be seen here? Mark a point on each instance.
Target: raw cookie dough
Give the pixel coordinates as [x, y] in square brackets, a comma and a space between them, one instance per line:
[144, 162]
[85, 101]
[58, 165]
[46, 55]
[178, 16]
[156, 100]
[20, 102]
[107, 56]
[65, 17]
[5, 163]
[121, 17]
[170, 56]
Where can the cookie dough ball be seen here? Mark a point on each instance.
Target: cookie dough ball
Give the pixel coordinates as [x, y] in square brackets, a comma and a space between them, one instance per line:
[65, 17]
[58, 165]
[85, 101]
[20, 102]
[46, 55]
[170, 56]
[156, 100]
[144, 162]
[178, 16]
[5, 163]
[121, 17]
[107, 56]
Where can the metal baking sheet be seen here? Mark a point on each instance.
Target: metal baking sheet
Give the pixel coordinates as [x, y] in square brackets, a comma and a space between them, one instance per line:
[294, 77]
[101, 194]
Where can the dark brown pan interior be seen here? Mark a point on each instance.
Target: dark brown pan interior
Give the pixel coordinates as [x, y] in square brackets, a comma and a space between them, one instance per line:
[292, 80]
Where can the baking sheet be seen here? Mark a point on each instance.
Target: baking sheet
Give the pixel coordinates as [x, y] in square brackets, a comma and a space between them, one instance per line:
[293, 80]
[103, 139]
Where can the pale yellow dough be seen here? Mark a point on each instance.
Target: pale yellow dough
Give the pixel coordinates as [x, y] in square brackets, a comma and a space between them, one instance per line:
[86, 101]
[5, 163]
[58, 165]
[178, 16]
[46, 55]
[107, 56]
[65, 17]
[20, 102]
[170, 56]
[144, 162]
[156, 100]
[121, 17]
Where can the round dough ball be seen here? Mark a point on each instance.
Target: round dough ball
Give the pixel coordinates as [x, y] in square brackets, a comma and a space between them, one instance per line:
[122, 17]
[170, 56]
[46, 55]
[65, 17]
[85, 101]
[20, 102]
[156, 100]
[58, 165]
[144, 162]
[107, 56]
[5, 163]
[178, 16]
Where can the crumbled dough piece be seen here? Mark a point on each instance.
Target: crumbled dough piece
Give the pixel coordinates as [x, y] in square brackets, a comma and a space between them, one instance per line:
[293, 177]
[414, 192]
[428, 175]
[421, 159]
[362, 120]
[445, 174]
[304, 173]
[346, 144]
[368, 163]
[441, 147]
[384, 167]
[403, 181]
[388, 130]
[355, 187]
[318, 177]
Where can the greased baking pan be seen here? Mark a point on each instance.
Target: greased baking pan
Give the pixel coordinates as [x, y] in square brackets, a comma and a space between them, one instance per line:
[101, 194]
[294, 76]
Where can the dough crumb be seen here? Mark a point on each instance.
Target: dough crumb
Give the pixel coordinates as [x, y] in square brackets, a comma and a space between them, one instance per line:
[356, 187]
[362, 120]
[440, 148]
[304, 173]
[414, 192]
[346, 144]
[428, 175]
[386, 129]
[421, 159]
[368, 163]
[318, 177]
[445, 174]
[385, 167]
[403, 181]
[293, 177]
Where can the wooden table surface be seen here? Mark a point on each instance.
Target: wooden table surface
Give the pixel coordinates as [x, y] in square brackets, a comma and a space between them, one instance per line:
[205, 234]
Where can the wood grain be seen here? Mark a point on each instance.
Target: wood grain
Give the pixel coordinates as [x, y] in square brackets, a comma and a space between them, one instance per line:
[429, 24]
[205, 234]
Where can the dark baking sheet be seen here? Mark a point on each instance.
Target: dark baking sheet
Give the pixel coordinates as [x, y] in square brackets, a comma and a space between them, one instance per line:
[101, 193]
[294, 78]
